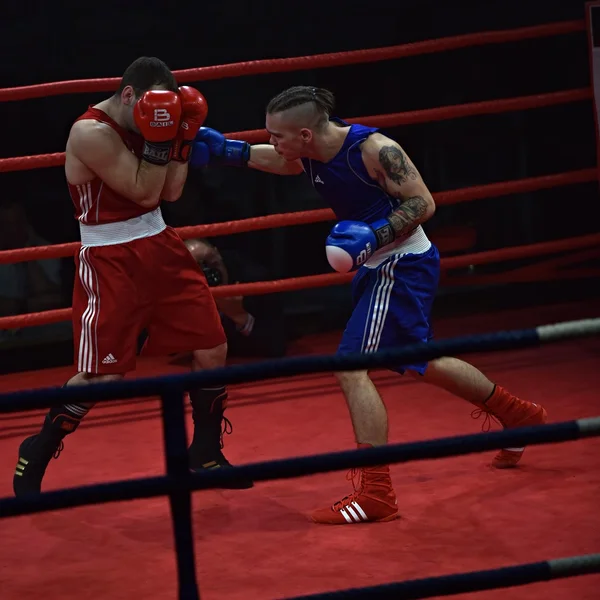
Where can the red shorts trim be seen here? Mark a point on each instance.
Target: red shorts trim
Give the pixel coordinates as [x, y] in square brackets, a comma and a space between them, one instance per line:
[152, 283]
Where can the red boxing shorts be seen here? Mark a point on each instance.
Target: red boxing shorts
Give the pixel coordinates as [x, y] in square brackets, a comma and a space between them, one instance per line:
[151, 283]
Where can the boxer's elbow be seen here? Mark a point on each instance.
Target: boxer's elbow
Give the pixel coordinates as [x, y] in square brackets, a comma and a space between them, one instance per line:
[421, 201]
[172, 189]
[418, 206]
[430, 208]
[171, 195]
[146, 199]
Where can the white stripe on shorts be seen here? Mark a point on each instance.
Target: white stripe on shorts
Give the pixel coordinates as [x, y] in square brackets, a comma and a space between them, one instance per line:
[88, 340]
[379, 305]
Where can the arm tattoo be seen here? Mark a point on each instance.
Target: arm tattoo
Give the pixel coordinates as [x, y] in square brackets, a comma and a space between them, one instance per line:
[409, 214]
[396, 165]
[397, 168]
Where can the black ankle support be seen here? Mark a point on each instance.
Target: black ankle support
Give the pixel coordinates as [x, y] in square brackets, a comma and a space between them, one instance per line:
[208, 406]
[64, 419]
[209, 402]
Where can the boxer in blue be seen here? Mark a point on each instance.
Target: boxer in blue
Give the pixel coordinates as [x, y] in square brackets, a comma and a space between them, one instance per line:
[380, 201]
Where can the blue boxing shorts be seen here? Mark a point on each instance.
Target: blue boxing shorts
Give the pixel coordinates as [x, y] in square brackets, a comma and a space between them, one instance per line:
[392, 305]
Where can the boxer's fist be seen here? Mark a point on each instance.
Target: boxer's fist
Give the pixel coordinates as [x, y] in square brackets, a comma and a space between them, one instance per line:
[157, 115]
[223, 151]
[200, 155]
[194, 110]
[351, 243]
[193, 114]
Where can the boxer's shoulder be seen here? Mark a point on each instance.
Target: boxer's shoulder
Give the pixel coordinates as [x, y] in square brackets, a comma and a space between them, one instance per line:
[91, 127]
[86, 134]
[373, 144]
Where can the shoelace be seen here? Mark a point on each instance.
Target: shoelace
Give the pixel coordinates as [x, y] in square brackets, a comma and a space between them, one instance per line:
[59, 449]
[487, 421]
[354, 476]
[226, 429]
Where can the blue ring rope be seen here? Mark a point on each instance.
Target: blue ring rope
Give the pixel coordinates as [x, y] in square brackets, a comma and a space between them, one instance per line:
[287, 468]
[287, 367]
[460, 583]
[179, 482]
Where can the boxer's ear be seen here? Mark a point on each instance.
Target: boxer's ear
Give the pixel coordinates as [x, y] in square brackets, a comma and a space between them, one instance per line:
[306, 135]
[128, 96]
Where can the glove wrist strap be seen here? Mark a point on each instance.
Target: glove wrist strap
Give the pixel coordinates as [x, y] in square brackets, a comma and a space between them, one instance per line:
[157, 153]
[236, 154]
[182, 151]
[384, 232]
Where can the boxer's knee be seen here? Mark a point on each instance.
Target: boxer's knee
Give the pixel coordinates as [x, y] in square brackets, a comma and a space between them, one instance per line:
[210, 358]
[91, 378]
[350, 380]
[85, 378]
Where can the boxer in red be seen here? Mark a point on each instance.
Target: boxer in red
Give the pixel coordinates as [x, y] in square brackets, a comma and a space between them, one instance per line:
[123, 156]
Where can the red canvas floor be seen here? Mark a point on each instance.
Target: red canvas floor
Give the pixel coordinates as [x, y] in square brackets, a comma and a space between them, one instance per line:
[457, 514]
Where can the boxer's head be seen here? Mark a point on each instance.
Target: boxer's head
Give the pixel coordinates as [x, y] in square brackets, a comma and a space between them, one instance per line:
[143, 74]
[296, 118]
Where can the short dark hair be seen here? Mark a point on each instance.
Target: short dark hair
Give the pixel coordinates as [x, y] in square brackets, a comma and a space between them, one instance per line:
[145, 72]
[323, 99]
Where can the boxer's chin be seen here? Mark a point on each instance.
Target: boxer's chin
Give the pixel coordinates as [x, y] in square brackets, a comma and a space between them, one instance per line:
[288, 156]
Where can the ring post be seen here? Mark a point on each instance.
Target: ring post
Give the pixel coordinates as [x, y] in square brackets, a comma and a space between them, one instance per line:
[180, 497]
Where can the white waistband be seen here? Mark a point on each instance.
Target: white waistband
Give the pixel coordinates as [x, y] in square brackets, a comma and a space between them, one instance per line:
[416, 243]
[121, 232]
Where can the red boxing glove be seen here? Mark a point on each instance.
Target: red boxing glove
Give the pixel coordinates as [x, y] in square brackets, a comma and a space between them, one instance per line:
[157, 115]
[193, 110]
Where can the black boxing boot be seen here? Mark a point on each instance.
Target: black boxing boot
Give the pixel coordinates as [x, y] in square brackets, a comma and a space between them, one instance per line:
[36, 451]
[205, 451]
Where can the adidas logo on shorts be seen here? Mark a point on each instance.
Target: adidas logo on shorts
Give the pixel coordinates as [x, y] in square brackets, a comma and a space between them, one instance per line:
[109, 360]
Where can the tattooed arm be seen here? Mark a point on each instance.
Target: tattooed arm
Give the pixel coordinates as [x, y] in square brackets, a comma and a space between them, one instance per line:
[393, 170]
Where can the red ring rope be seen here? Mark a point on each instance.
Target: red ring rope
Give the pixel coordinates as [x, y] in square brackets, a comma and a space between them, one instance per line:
[299, 63]
[492, 190]
[412, 117]
[254, 136]
[444, 113]
[311, 281]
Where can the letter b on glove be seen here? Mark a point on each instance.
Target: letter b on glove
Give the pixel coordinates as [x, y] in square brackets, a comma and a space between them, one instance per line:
[162, 118]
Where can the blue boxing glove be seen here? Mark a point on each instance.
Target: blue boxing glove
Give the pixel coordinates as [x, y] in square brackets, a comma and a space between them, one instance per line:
[351, 243]
[235, 153]
[200, 155]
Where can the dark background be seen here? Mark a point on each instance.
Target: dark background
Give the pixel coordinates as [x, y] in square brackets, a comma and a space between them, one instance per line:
[45, 42]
